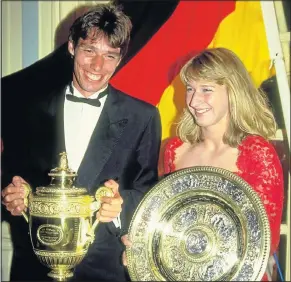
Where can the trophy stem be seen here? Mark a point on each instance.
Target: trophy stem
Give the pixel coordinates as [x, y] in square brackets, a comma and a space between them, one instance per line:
[60, 274]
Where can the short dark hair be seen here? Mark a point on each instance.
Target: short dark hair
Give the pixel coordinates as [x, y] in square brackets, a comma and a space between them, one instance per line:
[108, 20]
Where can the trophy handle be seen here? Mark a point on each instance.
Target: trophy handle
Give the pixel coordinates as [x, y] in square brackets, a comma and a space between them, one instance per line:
[101, 192]
[27, 191]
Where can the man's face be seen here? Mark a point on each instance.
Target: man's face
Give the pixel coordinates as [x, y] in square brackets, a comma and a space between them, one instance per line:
[94, 63]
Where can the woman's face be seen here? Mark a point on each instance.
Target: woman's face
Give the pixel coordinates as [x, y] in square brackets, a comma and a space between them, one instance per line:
[208, 103]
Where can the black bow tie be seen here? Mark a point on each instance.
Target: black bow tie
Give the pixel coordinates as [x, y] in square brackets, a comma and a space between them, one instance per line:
[92, 102]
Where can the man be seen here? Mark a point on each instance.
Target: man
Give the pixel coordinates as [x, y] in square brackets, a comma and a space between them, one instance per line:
[109, 137]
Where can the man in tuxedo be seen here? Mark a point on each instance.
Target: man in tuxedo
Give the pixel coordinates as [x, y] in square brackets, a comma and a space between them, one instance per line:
[109, 136]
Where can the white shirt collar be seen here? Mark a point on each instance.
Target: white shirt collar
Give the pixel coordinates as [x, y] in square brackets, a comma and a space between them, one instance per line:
[78, 94]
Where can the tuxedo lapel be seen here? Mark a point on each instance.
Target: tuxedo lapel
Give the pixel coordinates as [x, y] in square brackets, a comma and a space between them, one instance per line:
[107, 133]
[46, 131]
[56, 109]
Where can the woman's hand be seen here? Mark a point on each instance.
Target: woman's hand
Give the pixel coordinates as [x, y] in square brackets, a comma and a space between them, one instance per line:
[127, 243]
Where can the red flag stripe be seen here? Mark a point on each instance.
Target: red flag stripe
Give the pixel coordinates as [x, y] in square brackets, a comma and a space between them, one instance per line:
[190, 29]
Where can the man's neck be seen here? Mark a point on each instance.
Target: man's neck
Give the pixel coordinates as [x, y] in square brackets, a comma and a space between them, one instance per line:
[77, 93]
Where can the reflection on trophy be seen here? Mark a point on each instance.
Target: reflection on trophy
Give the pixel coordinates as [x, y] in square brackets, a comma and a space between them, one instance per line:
[60, 220]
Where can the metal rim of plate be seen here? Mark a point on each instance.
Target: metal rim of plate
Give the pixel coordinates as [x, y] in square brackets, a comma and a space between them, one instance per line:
[199, 224]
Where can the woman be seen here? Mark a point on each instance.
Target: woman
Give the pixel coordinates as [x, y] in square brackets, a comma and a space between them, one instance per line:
[227, 123]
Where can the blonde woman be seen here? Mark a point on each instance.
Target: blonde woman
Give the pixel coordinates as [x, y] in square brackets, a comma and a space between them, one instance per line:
[228, 124]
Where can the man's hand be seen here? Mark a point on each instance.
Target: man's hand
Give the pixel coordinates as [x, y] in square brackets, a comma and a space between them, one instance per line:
[110, 206]
[13, 196]
[127, 243]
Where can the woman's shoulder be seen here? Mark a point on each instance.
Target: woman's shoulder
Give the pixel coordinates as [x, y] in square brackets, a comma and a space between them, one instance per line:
[255, 142]
[170, 153]
[173, 143]
[254, 145]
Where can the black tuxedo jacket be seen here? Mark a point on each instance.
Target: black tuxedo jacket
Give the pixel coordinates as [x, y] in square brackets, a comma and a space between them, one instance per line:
[124, 146]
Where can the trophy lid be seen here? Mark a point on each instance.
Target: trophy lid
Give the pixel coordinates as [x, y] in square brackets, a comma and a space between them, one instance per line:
[62, 180]
[63, 168]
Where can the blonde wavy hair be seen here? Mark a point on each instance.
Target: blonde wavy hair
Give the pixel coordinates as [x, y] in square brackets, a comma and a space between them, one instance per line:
[249, 108]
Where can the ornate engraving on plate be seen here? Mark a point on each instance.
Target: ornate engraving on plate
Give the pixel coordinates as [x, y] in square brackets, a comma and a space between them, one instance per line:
[49, 234]
[196, 242]
[199, 224]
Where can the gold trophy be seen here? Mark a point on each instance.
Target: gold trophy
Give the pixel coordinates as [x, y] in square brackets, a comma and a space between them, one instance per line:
[200, 223]
[60, 220]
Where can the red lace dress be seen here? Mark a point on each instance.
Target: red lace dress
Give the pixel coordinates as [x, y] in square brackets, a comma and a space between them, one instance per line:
[259, 165]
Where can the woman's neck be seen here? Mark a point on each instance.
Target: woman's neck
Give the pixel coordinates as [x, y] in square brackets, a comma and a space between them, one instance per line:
[213, 139]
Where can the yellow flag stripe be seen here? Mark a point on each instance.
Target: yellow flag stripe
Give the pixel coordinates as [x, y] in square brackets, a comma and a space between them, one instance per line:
[243, 32]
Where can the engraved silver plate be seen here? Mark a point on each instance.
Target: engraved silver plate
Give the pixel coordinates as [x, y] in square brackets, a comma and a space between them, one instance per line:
[199, 224]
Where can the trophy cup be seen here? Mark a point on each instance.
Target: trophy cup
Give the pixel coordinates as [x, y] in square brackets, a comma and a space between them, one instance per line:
[60, 220]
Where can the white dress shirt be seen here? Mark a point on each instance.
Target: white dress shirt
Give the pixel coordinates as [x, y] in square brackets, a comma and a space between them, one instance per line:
[80, 120]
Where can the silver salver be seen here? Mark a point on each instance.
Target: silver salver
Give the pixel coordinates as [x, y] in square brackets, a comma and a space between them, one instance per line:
[199, 224]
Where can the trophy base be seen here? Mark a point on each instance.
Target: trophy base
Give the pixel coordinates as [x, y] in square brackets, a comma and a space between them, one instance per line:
[60, 274]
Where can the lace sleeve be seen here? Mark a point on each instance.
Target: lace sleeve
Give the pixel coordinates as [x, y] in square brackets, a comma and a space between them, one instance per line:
[261, 168]
[169, 154]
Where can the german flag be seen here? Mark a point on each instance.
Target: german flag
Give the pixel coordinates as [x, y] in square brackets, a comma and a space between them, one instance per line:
[168, 33]
[165, 35]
